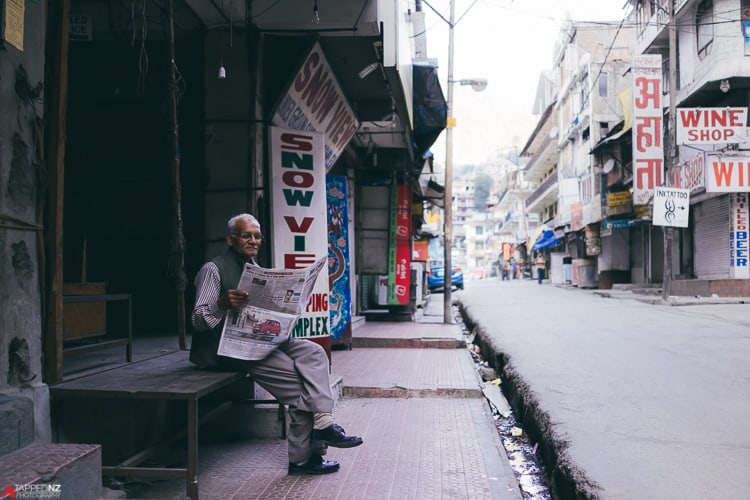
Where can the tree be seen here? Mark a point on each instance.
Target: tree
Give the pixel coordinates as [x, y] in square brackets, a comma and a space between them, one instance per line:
[482, 188]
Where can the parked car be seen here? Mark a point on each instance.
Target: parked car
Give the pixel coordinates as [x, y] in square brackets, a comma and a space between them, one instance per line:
[268, 327]
[478, 273]
[436, 277]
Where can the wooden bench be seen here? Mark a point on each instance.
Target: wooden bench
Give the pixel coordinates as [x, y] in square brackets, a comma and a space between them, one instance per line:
[169, 377]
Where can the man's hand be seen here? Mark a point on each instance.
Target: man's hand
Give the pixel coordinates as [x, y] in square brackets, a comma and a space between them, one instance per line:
[233, 299]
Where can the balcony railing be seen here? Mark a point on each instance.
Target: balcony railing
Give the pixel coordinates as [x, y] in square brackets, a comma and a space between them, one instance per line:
[543, 188]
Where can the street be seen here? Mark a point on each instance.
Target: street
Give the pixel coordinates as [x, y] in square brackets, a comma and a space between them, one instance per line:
[635, 401]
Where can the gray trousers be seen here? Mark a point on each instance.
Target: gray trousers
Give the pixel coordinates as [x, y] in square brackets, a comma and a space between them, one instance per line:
[296, 374]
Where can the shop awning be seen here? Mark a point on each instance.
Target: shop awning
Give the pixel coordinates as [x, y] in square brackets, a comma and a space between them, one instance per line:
[430, 108]
[546, 240]
[540, 229]
[435, 193]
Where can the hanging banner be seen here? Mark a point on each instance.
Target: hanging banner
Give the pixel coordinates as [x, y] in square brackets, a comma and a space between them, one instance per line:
[315, 101]
[339, 299]
[711, 125]
[738, 240]
[727, 174]
[648, 153]
[399, 251]
[299, 225]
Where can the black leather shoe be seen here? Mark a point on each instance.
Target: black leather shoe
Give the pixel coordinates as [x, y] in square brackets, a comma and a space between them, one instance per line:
[314, 465]
[333, 435]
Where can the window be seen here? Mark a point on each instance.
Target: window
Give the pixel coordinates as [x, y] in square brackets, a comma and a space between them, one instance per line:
[603, 84]
[704, 19]
[480, 230]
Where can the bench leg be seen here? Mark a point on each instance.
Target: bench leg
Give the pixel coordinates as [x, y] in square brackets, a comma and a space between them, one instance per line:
[192, 442]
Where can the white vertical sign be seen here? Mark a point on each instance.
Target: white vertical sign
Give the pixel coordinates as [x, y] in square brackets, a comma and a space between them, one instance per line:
[739, 238]
[648, 152]
[300, 225]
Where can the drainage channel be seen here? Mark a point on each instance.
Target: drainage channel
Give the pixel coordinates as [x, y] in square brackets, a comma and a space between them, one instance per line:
[522, 453]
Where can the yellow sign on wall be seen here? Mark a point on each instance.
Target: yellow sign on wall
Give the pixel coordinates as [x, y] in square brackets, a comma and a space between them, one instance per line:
[13, 23]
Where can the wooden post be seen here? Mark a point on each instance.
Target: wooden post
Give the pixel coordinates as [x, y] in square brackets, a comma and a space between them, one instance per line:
[53, 234]
[178, 242]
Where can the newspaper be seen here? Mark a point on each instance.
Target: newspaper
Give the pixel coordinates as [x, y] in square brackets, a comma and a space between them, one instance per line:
[277, 298]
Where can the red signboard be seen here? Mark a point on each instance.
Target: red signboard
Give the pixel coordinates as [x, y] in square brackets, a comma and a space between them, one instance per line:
[399, 272]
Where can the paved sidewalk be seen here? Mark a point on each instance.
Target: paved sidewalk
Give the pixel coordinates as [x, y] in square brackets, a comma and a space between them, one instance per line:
[415, 399]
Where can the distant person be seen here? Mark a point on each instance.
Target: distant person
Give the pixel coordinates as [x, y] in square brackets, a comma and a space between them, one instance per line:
[514, 268]
[540, 264]
[295, 373]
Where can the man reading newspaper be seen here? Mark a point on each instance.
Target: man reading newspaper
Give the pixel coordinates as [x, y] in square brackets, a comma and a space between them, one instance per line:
[294, 371]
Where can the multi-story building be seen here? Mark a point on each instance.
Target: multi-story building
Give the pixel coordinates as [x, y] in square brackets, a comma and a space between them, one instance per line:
[512, 224]
[708, 72]
[542, 152]
[589, 61]
[703, 48]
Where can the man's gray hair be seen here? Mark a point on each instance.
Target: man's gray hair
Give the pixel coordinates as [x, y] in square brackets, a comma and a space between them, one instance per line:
[232, 224]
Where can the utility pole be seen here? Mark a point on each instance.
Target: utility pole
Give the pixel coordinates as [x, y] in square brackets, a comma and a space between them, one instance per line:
[672, 155]
[448, 188]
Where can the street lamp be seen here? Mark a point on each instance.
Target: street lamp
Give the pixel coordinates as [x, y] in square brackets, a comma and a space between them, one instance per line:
[478, 85]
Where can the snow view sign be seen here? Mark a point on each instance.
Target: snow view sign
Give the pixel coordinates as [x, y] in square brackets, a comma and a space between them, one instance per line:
[315, 102]
[671, 207]
[299, 221]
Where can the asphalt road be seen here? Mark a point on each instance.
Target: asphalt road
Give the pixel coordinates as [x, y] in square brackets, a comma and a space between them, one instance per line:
[641, 401]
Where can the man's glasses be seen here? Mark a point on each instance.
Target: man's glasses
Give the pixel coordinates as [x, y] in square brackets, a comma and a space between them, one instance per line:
[247, 236]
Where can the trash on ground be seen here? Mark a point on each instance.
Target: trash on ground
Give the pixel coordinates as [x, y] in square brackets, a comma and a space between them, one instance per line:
[522, 457]
[495, 396]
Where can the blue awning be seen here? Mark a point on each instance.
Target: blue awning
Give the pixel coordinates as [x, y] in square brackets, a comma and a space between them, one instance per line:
[546, 240]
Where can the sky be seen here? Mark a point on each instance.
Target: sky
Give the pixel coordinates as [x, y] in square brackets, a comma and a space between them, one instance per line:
[508, 42]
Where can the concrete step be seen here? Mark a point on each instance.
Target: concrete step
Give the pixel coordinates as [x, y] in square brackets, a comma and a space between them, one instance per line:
[409, 343]
[53, 470]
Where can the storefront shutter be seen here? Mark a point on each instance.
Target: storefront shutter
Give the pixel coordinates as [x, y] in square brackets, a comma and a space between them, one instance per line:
[712, 238]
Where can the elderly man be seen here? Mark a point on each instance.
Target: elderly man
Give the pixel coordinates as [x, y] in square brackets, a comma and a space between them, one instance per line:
[295, 373]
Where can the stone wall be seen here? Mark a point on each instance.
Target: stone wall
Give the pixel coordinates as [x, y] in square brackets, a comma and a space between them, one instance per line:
[22, 191]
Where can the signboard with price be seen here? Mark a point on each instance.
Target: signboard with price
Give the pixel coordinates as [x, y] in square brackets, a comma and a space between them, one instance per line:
[671, 207]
